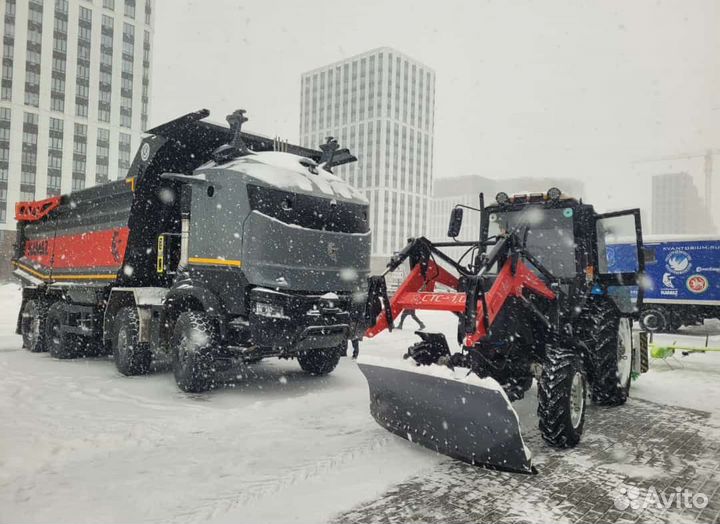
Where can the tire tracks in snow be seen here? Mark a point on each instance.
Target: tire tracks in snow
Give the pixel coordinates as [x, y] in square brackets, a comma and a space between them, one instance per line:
[246, 493]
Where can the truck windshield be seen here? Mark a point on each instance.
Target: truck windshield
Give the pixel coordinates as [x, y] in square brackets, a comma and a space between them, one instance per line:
[550, 236]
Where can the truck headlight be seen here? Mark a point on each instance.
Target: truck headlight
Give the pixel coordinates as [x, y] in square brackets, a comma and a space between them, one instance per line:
[265, 309]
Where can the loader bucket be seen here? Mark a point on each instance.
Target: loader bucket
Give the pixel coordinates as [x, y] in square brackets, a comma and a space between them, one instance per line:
[467, 418]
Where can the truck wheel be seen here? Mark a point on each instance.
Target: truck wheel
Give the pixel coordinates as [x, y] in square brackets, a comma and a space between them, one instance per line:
[60, 344]
[674, 324]
[654, 320]
[319, 361]
[132, 357]
[562, 389]
[193, 340]
[34, 317]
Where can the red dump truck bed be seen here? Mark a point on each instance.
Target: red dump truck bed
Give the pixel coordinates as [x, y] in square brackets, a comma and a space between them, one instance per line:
[78, 237]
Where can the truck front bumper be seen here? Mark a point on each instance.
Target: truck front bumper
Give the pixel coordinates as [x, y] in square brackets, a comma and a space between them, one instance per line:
[295, 322]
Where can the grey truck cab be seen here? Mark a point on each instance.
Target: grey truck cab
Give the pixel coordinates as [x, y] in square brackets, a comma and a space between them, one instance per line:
[295, 239]
[244, 248]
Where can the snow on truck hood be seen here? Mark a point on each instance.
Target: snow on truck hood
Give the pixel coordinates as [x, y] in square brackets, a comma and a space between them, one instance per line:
[284, 171]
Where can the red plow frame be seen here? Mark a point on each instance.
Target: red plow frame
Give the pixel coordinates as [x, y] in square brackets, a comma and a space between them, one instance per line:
[418, 292]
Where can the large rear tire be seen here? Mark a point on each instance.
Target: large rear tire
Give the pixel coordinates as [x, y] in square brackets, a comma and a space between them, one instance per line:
[32, 326]
[59, 343]
[562, 390]
[194, 338]
[132, 357]
[319, 361]
[609, 341]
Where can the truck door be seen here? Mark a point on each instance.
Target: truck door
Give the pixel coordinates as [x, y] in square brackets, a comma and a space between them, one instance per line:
[620, 258]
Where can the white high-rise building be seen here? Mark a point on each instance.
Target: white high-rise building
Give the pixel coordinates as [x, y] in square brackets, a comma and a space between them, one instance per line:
[682, 193]
[74, 95]
[677, 206]
[381, 105]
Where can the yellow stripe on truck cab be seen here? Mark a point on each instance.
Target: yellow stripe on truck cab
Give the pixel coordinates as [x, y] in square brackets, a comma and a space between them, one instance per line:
[214, 262]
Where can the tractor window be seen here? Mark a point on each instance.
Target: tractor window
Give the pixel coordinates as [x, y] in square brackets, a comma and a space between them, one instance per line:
[548, 234]
[617, 245]
[619, 258]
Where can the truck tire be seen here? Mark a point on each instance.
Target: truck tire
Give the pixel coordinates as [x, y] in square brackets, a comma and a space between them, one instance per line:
[562, 390]
[60, 344]
[34, 317]
[132, 357]
[194, 337]
[654, 320]
[319, 361]
[608, 337]
[674, 323]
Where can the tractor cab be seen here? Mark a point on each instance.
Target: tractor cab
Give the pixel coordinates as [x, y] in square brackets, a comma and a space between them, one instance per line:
[565, 243]
[551, 230]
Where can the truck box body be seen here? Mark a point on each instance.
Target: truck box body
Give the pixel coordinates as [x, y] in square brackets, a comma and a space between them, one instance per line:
[683, 270]
[83, 239]
[683, 276]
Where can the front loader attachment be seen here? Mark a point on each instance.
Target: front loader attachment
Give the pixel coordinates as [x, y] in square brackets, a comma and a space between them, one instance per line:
[450, 411]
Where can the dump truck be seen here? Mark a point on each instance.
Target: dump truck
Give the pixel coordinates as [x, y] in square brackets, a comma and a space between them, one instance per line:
[683, 279]
[219, 248]
[541, 305]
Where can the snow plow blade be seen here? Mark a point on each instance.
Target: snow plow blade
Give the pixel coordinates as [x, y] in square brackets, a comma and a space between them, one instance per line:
[466, 418]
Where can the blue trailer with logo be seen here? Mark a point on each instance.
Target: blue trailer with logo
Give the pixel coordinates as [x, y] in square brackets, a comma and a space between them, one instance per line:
[683, 279]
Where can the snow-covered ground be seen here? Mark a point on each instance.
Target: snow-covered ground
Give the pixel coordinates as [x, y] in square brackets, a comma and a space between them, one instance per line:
[82, 443]
[692, 381]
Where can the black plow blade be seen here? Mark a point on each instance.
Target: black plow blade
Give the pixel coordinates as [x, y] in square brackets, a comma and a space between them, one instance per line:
[469, 419]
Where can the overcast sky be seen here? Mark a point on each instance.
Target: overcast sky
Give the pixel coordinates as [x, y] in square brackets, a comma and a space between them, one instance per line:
[567, 88]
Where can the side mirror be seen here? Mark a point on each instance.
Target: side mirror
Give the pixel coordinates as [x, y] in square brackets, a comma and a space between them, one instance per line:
[456, 218]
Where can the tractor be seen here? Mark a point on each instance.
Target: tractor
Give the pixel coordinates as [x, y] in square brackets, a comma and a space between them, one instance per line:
[535, 300]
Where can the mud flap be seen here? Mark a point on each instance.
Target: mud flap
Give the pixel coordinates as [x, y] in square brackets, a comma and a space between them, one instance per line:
[467, 418]
[641, 361]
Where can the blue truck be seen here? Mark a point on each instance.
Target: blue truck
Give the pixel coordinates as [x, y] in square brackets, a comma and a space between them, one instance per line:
[683, 279]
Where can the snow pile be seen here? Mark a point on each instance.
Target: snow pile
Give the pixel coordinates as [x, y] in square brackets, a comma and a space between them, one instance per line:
[291, 172]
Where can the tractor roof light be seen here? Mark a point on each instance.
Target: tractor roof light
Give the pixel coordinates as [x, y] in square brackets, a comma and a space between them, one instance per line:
[554, 193]
[502, 198]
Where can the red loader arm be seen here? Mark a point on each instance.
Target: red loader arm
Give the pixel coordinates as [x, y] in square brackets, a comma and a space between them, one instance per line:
[418, 292]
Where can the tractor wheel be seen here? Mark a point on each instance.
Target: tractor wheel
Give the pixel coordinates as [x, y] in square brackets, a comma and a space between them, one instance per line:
[562, 389]
[32, 327]
[60, 344]
[613, 366]
[609, 342]
[132, 357]
[654, 320]
[319, 361]
[194, 338]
